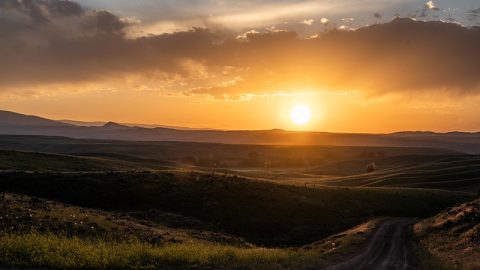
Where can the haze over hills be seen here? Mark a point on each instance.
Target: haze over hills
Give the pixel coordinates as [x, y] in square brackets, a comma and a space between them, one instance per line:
[11, 119]
[19, 124]
[101, 123]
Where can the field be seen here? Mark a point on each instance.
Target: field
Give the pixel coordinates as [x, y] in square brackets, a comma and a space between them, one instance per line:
[44, 233]
[41, 233]
[256, 210]
[240, 135]
[31, 161]
[211, 155]
[187, 205]
[460, 173]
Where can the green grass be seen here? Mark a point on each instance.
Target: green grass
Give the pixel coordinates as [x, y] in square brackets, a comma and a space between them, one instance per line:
[37, 250]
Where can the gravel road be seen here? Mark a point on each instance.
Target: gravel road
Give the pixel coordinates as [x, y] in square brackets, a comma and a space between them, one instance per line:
[390, 247]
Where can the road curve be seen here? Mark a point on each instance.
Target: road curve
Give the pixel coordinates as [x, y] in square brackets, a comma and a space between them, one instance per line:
[390, 248]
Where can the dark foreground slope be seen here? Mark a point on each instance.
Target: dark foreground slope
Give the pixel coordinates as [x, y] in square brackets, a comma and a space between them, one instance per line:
[43, 234]
[263, 213]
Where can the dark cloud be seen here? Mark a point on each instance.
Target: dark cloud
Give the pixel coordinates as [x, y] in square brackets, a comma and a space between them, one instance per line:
[57, 41]
[403, 55]
[42, 11]
[474, 15]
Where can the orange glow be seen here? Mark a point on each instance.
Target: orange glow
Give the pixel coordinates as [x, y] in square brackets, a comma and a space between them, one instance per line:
[300, 114]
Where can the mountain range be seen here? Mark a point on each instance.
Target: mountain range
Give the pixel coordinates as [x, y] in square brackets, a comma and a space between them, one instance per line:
[12, 123]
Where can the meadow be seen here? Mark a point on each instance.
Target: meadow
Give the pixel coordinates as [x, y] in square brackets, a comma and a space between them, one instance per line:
[108, 204]
[259, 211]
[36, 232]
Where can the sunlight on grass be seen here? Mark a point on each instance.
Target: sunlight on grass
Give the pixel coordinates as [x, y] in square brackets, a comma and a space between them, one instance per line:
[37, 250]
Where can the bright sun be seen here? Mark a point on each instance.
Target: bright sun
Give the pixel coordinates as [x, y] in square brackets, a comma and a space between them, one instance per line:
[300, 114]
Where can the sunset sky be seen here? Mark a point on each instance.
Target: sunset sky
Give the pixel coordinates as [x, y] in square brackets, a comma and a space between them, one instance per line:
[357, 65]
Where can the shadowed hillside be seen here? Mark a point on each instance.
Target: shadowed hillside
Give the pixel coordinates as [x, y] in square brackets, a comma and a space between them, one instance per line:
[30, 161]
[260, 212]
[207, 154]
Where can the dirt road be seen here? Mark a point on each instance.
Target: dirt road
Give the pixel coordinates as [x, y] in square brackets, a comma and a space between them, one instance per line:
[390, 247]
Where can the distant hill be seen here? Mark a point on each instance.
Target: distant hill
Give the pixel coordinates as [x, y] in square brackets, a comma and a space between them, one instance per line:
[11, 119]
[231, 153]
[18, 124]
[101, 123]
[115, 126]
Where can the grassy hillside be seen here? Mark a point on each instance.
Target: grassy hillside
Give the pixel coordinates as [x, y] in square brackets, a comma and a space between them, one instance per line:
[207, 154]
[30, 161]
[49, 250]
[452, 173]
[451, 239]
[23, 214]
[36, 250]
[261, 212]
[41, 233]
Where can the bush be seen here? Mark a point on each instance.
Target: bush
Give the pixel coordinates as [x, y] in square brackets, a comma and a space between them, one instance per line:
[371, 167]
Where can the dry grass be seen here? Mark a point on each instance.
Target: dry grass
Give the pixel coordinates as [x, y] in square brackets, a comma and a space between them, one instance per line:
[453, 236]
[48, 250]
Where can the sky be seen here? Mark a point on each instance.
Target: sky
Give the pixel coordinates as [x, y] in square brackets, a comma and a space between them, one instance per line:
[368, 66]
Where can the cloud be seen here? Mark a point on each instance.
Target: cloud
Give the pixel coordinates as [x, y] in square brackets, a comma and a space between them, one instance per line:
[474, 15]
[308, 22]
[403, 55]
[430, 5]
[54, 42]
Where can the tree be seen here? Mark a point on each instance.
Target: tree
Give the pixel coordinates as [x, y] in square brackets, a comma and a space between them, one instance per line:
[371, 167]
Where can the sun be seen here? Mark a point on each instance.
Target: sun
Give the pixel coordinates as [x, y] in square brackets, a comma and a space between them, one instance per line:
[300, 114]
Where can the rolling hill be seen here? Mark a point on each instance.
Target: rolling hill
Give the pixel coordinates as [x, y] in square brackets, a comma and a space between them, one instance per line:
[31, 161]
[225, 155]
[443, 172]
[257, 211]
[18, 124]
[16, 120]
